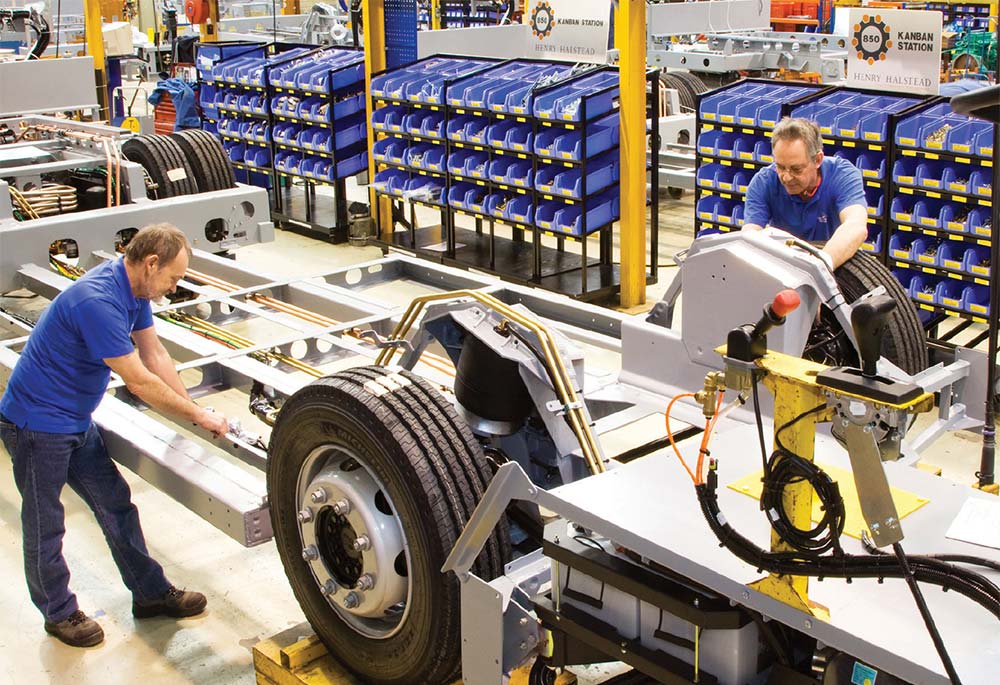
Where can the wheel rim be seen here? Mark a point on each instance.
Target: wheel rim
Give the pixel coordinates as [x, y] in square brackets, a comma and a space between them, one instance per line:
[358, 555]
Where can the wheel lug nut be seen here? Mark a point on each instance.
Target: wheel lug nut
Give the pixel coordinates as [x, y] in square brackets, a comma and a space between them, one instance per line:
[305, 516]
[310, 553]
[362, 543]
[342, 507]
[329, 588]
[318, 496]
[365, 582]
[352, 600]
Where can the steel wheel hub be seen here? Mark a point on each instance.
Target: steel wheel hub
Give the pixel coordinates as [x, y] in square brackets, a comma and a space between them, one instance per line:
[353, 541]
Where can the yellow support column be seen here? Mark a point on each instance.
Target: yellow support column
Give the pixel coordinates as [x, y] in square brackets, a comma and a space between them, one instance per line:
[373, 20]
[435, 10]
[793, 383]
[209, 30]
[630, 39]
[95, 48]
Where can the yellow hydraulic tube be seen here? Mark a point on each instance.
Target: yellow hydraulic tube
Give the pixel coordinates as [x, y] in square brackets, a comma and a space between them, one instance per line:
[553, 360]
[630, 39]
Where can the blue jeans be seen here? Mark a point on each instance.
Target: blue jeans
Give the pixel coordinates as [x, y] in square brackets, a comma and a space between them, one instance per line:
[43, 464]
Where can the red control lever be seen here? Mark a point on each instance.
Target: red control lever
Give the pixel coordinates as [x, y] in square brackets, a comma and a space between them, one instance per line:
[785, 302]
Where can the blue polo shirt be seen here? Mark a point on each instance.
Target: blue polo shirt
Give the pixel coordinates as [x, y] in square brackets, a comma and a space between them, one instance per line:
[815, 219]
[61, 377]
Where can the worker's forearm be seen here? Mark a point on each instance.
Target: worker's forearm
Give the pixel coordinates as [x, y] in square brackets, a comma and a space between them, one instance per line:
[163, 366]
[152, 390]
[845, 242]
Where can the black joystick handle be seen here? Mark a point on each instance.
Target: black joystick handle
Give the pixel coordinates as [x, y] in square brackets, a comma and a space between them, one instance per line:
[868, 320]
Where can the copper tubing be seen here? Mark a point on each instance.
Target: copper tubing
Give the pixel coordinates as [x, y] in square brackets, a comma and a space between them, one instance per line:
[436, 362]
[550, 351]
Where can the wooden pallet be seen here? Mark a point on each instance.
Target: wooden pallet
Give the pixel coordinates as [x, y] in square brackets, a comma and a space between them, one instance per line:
[297, 657]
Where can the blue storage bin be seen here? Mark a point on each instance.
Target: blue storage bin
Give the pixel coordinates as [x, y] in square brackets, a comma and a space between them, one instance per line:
[512, 171]
[520, 209]
[258, 156]
[389, 150]
[876, 201]
[476, 130]
[962, 138]
[389, 118]
[390, 181]
[951, 255]
[949, 293]
[584, 218]
[984, 143]
[349, 135]
[741, 180]
[705, 177]
[596, 94]
[601, 173]
[496, 203]
[743, 147]
[601, 136]
[545, 214]
[979, 222]
[925, 288]
[347, 106]
[955, 218]
[904, 171]
[476, 165]
[350, 166]
[976, 261]
[743, 107]
[981, 183]
[467, 196]
[927, 212]
[456, 126]
[871, 164]
[285, 132]
[508, 134]
[925, 251]
[901, 246]
[957, 178]
[545, 179]
[762, 152]
[457, 160]
[425, 156]
[210, 126]
[931, 174]
[873, 243]
[209, 55]
[707, 207]
[423, 188]
[433, 125]
[976, 300]
[308, 167]
[235, 151]
[905, 278]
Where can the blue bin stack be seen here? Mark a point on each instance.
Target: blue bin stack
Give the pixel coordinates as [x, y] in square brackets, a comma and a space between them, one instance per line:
[732, 144]
[529, 143]
[412, 129]
[857, 126]
[285, 109]
[940, 209]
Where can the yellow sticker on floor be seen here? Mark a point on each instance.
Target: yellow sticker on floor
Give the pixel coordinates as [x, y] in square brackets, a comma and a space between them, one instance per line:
[906, 502]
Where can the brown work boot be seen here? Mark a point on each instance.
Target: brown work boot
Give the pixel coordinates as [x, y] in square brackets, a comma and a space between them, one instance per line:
[176, 604]
[78, 630]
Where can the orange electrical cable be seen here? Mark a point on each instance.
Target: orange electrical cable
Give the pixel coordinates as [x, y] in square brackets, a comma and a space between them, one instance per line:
[670, 433]
[705, 438]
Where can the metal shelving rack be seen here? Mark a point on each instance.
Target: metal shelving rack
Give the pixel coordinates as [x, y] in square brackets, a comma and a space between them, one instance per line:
[744, 162]
[514, 258]
[345, 161]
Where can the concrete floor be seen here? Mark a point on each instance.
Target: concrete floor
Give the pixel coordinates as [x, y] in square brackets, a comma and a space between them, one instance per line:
[249, 598]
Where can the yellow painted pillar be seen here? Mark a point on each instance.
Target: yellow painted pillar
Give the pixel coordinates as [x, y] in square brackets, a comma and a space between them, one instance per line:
[373, 20]
[95, 48]
[630, 39]
[209, 30]
[290, 7]
[435, 10]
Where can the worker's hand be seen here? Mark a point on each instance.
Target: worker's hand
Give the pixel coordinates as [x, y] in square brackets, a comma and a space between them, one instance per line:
[213, 421]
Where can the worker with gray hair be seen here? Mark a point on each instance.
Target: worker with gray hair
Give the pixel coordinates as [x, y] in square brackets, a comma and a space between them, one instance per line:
[816, 198]
[99, 324]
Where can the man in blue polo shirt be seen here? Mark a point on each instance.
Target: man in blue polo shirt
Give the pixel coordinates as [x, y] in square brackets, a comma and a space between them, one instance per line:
[817, 198]
[101, 323]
